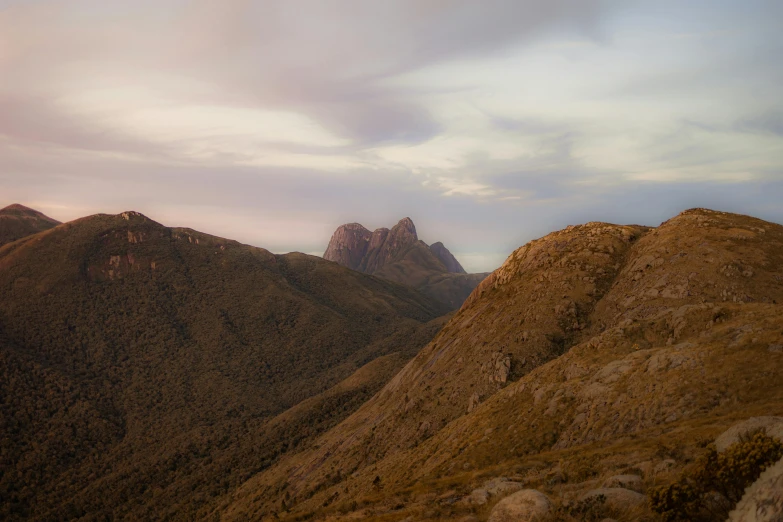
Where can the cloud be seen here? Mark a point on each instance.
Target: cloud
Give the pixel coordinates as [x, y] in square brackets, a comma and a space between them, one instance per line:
[488, 123]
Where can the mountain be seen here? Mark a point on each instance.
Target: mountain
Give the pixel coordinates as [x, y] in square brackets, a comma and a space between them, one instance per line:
[18, 221]
[399, 255]
[446, 257]
[598, 355]
[148, 371]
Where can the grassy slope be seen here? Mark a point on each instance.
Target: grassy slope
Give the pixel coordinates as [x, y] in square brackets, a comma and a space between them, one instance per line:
[667, 335]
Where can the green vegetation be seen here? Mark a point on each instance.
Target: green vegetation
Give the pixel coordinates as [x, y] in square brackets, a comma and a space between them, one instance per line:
[713, 487]
[147, 371]
[17, 222]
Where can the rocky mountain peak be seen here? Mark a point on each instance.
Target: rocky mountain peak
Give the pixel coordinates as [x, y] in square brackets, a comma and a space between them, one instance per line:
[447, 258]
[397, 254]
[355, 247]
[348, 245]
[405, 228]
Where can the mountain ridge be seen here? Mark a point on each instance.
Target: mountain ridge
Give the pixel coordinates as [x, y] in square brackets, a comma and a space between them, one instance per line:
[148, 369]
[18, 221]
[399, 255]
[571, 331]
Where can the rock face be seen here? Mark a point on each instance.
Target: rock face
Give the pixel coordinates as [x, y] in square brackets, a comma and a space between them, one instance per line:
[522, 506]
[496, 487]
[386, 245]
[445, 257]
[763, 501]
[397, 254]
[772, 426]
[618, 498]
[348, 245]
[633, 482]
[18, 221]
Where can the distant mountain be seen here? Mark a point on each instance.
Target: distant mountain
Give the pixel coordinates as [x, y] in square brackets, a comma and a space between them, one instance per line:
[18, 221]
[147, 371]
[599, 360]
[399, 255]
[446, 257]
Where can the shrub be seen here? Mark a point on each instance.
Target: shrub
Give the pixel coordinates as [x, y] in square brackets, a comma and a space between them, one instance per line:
[712, 489]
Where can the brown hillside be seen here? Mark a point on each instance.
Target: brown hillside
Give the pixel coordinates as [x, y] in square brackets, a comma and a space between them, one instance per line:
[590, 351]
[18, 221]
[146, 369]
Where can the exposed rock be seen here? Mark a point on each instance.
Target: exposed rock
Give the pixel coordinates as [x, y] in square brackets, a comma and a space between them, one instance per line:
[633, 482]
[498, 367]
[772, 426]
[386, 245]
[399, 255]
[348, 245]
[502, 486]
[477, 497]
[664, 466]
[763, 500]
[473, 402]
[445, 257]
[497, 487]
[618, 498]
[522, 506]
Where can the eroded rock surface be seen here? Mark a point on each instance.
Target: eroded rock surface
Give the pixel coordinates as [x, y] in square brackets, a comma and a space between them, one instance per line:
[522, 506]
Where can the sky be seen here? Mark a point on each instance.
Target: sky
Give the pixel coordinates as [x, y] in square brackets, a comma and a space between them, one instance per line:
[488, 123]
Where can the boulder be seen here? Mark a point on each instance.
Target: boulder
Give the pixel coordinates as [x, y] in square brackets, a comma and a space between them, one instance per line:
[633, 482]
[522, 506]
[502, 486]
[618, 498]
[477, 497]
[773, 426]
[497, 487]
[763, 501]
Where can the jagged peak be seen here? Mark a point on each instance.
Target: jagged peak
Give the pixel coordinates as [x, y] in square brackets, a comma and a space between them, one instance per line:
[406, 224]
[352, 226]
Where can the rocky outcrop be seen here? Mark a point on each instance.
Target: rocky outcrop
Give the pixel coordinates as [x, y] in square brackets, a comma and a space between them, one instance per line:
[763, 501]
[446, 257]
[18, 221]
[497, 487]
[772, 426]
[397, 254]
[522, 506]
[386, 245]
[619, 499]
[632, 482]
[348, 245]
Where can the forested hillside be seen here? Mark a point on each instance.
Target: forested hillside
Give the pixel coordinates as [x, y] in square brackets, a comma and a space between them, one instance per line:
[144, 367]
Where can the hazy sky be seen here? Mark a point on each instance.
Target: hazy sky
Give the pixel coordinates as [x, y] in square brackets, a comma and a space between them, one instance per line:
[488, 123]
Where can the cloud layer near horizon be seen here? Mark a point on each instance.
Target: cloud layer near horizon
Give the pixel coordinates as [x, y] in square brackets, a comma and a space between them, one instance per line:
[488, 123]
